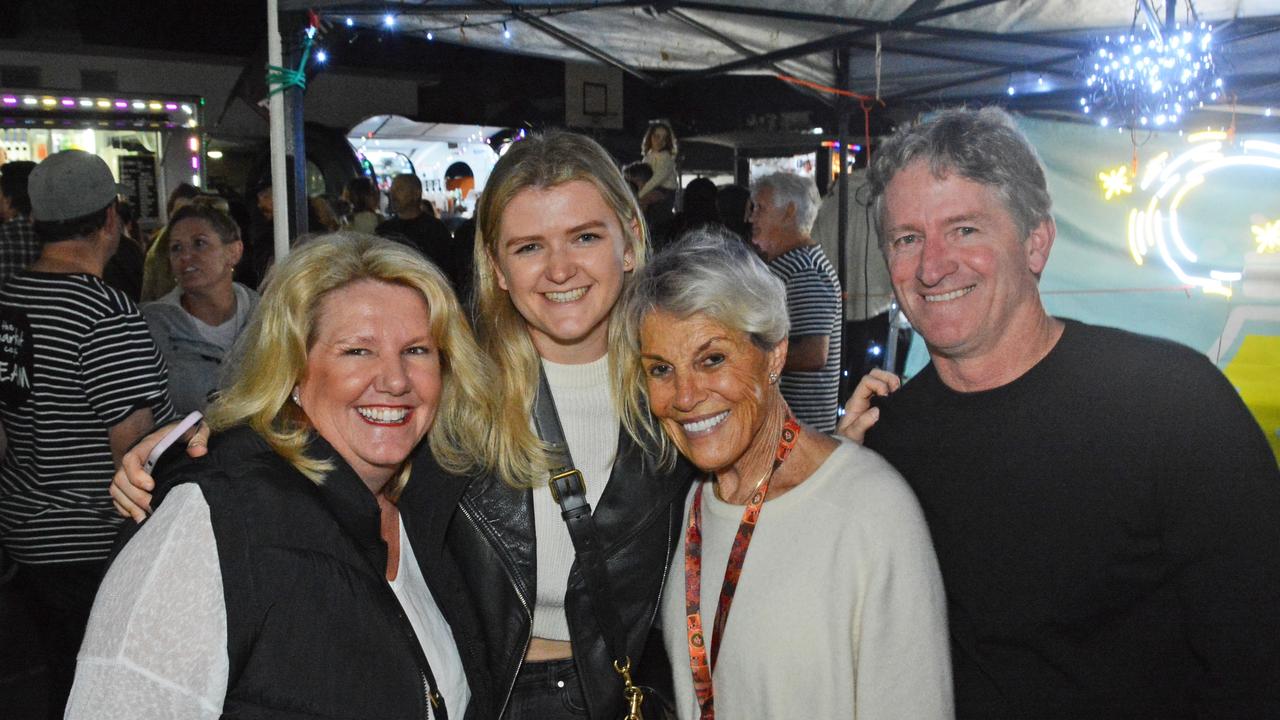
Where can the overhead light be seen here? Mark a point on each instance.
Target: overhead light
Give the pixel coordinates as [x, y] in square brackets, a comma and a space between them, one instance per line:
[389, 20]
[214, 154]
[1149, 76]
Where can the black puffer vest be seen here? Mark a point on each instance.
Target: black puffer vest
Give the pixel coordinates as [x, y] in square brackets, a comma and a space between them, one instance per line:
[313, 628]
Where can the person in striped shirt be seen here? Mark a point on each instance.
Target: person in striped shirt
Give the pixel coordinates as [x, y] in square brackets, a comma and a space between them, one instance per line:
[80, 381]
[783, 207]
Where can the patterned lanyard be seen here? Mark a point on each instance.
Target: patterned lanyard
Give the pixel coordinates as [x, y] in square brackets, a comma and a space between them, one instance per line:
[737, 554]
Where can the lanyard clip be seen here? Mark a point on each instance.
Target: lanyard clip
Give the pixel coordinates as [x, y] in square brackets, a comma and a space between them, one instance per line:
[632, 692]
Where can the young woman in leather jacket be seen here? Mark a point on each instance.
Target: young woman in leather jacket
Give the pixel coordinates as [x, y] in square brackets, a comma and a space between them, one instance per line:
[559, 234]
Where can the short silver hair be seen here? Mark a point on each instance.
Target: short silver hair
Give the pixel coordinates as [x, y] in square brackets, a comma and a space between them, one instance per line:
[710, 272]
[795, 189]
[984, 146]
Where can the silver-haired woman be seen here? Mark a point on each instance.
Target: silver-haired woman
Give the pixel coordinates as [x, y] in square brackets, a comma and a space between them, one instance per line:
[816, 545]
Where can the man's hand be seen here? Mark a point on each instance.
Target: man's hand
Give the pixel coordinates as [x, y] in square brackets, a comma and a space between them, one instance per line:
[131, 486]
[859, 416]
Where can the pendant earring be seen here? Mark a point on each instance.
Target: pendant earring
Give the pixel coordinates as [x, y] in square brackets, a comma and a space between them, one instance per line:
[295, 399]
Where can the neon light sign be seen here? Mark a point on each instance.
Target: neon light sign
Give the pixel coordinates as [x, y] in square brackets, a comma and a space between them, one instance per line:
[1267, 235]
[1115, 182]
[1154, 226]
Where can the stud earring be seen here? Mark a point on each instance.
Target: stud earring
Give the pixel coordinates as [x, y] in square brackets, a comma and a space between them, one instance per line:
[773, 378]
[295, 399]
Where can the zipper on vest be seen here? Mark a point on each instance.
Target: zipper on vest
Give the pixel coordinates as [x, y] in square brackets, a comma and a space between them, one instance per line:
[432, 697]
[493, 540]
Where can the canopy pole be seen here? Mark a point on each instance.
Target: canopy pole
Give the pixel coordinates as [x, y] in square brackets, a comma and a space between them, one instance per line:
[842, 58]
[275, 106]
[295, 134]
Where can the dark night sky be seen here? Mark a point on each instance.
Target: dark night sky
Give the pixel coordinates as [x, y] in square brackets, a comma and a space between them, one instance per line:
[228, 27]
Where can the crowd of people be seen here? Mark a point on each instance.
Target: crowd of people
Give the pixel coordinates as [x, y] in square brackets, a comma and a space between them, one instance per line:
[527, 503]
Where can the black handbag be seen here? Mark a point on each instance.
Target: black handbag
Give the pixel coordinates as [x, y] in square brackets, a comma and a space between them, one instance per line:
[569, 491]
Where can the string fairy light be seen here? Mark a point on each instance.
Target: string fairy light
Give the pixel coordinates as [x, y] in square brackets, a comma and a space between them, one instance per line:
[1151, 80]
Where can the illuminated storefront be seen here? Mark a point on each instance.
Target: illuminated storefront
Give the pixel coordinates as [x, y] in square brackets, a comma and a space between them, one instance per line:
[151, 142]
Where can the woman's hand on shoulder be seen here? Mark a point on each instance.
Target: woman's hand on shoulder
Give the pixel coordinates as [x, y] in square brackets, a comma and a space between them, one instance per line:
[859, 415]
[131, 486]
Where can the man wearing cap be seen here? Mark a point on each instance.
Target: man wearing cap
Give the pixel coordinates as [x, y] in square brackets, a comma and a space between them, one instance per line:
[18, 245]
[80, 381]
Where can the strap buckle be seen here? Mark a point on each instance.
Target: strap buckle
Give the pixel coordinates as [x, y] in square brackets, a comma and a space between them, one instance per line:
[567, 482]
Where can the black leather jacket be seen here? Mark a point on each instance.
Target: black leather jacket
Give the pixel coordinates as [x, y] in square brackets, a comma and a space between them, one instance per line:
[486, 529]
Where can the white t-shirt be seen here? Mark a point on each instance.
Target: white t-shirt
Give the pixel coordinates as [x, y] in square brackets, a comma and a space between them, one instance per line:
[839, 612]
[156, 645]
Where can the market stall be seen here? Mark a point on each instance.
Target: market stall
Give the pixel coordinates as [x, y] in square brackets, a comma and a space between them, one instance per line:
[152, 143]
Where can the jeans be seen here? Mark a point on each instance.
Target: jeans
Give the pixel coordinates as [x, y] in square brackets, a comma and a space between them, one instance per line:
[547, 690]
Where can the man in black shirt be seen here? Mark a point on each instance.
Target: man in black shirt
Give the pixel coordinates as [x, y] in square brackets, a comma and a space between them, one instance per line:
[1105, 510]
[419, 229]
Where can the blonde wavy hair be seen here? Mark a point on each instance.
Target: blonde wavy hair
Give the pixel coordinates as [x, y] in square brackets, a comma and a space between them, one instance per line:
[647, 141]
[273, 351]
[543, 162]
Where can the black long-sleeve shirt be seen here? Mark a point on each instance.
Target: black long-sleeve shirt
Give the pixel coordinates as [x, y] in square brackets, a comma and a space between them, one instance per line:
[1108, 529]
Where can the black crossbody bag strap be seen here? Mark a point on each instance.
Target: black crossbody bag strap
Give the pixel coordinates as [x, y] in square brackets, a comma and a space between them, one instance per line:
[569, 490]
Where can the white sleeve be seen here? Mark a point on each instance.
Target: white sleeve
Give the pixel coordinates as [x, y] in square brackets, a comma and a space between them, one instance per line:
[156, 644]
[902, 642]
[664, 172]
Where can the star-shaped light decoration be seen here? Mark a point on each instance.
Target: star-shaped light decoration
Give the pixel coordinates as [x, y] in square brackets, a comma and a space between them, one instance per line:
[1267, 236]
[1115, 182]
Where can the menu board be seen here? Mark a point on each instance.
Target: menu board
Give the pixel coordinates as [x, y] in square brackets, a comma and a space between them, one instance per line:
[138, 183]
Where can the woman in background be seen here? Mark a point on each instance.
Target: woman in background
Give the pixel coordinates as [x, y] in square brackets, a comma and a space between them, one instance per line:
[362, 193]
[157, 278]
[196, 324]
[659, 150]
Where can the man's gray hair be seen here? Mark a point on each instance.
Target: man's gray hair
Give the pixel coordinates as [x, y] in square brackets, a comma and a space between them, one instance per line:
[982, 145]
[712, 272]
[795, 189]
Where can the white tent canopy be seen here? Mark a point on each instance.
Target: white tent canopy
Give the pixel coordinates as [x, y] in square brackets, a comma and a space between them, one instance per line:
[396, 127]
[931, 50]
